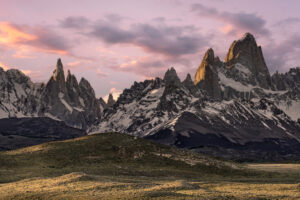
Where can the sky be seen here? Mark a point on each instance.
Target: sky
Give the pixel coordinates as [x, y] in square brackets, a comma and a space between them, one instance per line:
[114, 43]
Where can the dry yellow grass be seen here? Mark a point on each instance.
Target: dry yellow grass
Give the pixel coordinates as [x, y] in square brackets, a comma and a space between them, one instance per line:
[116, 166]
[83, 186]
[282, 168]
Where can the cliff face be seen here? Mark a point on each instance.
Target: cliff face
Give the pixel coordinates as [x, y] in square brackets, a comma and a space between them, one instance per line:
[206, 76]
[246, 52]
[207, 60]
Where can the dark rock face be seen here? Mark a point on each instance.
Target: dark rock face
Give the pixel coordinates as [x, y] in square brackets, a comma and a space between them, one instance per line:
[91, 103]
[189, 84]
[234, 138]
[22, 132]
[278, 81]
[72, 88]
[247, 53]
[291, 79]
[110, 101]
[171, 78]
[103, 104]
[56, 91]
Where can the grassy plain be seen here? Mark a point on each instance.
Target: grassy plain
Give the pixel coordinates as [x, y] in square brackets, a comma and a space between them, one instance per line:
[117, 166]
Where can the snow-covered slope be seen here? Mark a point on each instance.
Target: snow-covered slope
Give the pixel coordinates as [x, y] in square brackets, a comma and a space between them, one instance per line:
[60, 99]
[18, 95]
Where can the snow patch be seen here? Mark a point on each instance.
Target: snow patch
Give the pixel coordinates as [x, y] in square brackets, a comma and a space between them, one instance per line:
[154, 91]
[81, 101]
[51, 116]
[63, 101]
[242, 68]
[234, 84]
[291, 109]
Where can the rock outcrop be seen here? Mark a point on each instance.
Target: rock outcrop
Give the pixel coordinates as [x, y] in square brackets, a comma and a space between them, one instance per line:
[278, 81]
[110, 100]
[60, 99]
[246, 52]
[206, 76]
[171, 78]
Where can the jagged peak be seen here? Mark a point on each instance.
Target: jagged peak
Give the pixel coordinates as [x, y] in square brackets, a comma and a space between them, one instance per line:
[188, 78]
[246, 52]
[59, 65]
[171, 77]
[71, 79]
[102, 100]
[85, 87]
[69, 74]
[209, 55]
[18, 76]
[58, 74]
[247, 41]
[188, 82]
[247, 36]
[84, 82]
[15, 71]
[110, 100]
[208, 59]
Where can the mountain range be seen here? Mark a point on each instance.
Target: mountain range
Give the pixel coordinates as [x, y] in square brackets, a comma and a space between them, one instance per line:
[232, 109]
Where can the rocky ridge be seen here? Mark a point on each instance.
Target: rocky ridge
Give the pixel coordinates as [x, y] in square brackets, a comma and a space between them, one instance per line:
[234, 109]
[60, 98]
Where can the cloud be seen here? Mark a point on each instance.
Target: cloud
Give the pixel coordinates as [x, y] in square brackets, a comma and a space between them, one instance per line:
[147, 67]
[157, 38]
[32, 73]
[73, 64]
[49, 41]
[115, 93]
[100, 73]
[114, 18]
[284, 55]
[111, 34]
[74, 22]
[39, 38]
[236, 23]
[288, 21]
[171, 41]
[4, 66]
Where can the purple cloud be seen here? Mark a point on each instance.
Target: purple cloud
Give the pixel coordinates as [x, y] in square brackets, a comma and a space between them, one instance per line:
[278, 56]
[39, 38]
[170, 41]
[147, 67]
[76, 22]
[239, 22]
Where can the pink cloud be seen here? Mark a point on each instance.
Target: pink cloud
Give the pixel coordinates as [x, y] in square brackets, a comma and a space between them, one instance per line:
[25, 39]
[235, 23]
[100, 73]
[115, 93]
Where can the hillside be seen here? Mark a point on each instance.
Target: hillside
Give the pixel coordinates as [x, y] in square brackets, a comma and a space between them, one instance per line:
[112, 165]
[22, 132]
